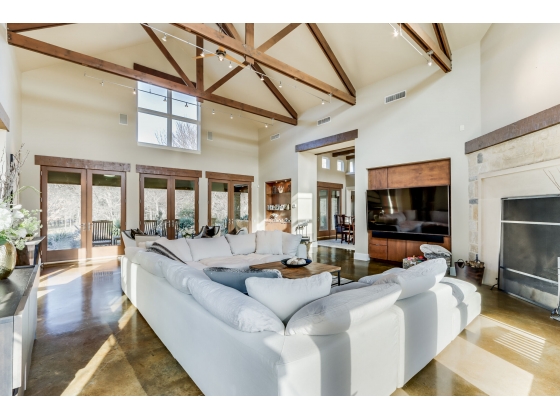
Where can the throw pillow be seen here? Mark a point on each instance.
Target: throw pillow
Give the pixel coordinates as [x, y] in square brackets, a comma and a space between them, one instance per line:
[375, 277]
[418, 278]
[339, 312]
[176, 249]
[348, 286]
[269, 242]
[242, 244]
[235, 309]
[178, 275]
[150, 262]
[284, 297]
[235, 277]
[290, 243]
[209, 248]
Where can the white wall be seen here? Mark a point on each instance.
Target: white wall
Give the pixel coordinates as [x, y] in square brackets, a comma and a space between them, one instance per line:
[520, 68]
[10, 93]
[68, 115]
[424, 126]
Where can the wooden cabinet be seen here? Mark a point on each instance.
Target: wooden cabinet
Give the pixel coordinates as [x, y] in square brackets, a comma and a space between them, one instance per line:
[396, 249]
[377, 248]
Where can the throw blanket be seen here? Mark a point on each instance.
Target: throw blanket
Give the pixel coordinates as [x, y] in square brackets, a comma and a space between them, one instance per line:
[161, 250]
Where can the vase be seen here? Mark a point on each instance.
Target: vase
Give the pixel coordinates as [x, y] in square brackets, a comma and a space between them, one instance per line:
[8, 256]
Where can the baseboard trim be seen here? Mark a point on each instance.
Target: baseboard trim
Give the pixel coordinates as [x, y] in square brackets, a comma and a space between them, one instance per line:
[361, 257]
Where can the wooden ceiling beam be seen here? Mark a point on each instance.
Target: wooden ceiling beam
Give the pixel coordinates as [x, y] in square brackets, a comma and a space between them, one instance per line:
[230, 30]
[344, 152]
[318, 35]
[277, 37]
[50, 50]
[350, 157]
[199, 66]
[240, 48]
[168, 55]
[442, 39]
[276, 92]
[250, 39]
[424, 41]
[224, 79]
[23, 27]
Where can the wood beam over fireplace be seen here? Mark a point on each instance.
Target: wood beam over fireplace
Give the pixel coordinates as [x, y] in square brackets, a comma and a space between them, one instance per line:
[50, 50]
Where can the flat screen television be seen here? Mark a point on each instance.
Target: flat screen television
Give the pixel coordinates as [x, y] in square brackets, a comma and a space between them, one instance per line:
[420, 210]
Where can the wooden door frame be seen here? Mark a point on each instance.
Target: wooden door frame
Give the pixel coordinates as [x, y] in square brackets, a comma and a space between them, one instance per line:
[196, 201]
[65, 254]
[104, 251]
[231, 180]
[329, 186]
[143, 176]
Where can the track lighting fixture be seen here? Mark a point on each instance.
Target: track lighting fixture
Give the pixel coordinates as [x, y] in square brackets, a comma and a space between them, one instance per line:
[230, 66]
[262, 78]
[102, 83]
[322, 102]
[395, 33]
[164, 38]
[280, 85]
[430, 58]
[186, 104]
[202, 54]
[231, 116]
[213, 112]
[134, 91]
[164, 99]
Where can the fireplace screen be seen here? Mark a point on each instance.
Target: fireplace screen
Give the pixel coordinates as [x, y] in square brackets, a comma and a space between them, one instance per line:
[530, 248]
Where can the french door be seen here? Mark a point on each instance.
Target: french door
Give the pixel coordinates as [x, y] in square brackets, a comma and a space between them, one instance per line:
[329, 204]
[83, 211]
[229, 205]
[168, 205]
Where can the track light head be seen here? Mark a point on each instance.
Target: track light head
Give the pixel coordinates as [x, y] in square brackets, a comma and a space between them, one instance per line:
[322, 102]
[213, 112]
[164, 38]
[262, 78]
[230, 66]
[186, 104]
[164, 99]
[266, 126]
[202, 54]
[430, 58]
[395, 33]
[134, 91]
[231, 116]
[280, 85]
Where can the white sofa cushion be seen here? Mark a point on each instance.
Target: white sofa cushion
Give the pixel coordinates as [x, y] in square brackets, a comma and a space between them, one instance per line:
[284, 296]
[348, 286]
[151, 262]
[179, 247]
[178, 275]
[375, 277]
[131, 251]
[242, 244]
[339, 312]
[209, 248]
[418, 278]
[234, 308]
[290, 243]
[460, 289]
[269, 242]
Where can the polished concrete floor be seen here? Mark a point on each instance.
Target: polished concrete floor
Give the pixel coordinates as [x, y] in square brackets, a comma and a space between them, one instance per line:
[92, 341]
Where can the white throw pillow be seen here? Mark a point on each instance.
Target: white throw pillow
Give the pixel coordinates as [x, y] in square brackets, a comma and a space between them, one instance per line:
[417, 279]
[178, 275]
[209, 248]
[151, 262]
[348, 286]
[131, 251]
[179, 247]
[339, 312]
[242, 244]
[269, 242]
[284, 296]
[290, 243]
[375, 277]
[234, 308]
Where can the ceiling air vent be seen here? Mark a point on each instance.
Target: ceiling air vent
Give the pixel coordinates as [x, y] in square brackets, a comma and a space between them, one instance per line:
[274, 137]
[209, 136]
[324, 121]
[123, 119]
[395, 97]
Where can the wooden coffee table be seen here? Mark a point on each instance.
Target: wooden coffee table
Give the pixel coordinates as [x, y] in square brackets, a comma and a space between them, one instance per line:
[300, 272]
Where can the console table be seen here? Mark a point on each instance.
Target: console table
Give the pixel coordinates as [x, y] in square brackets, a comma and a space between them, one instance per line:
[18, 323]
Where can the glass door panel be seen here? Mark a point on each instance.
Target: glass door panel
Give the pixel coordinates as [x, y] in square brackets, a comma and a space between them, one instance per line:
[240, 207]
[185, 217]
[155, 206]
[323, 209]
[219, 205]
[334, 210]
[64, 213]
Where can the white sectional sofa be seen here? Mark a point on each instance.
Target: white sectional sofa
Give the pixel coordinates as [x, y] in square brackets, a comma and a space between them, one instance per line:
[372, 357]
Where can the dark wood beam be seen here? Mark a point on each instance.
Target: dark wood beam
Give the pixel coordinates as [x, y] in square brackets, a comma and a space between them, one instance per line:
[230, 177]
[240, 48]
[327, 141]
[442, 39]
[23, 27]
[168, 55]
[81, 163]
[230, 30]
[4, 119]
[536, 122]
[199, 66]
[269, 83]
[426, 43]
[350, 157]
[158, 73]
[277, 37]
[344, 152]
[50, 50]
[318, 35]
[250, 39]
[224, 79]
[162, 170]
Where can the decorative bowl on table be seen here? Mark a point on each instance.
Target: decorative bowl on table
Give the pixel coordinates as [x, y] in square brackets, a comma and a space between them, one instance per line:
[297, 263]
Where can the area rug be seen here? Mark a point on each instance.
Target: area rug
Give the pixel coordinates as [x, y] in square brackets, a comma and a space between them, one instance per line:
[335, 243]
[342, 281]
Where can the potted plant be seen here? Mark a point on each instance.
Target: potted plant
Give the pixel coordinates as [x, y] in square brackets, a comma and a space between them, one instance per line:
[17, 225]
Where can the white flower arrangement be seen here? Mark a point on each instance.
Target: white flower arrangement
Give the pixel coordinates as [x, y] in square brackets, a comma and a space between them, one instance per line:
[17, 225]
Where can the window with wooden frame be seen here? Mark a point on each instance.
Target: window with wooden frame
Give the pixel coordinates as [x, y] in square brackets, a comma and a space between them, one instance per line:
[169, 201]
[167, 118]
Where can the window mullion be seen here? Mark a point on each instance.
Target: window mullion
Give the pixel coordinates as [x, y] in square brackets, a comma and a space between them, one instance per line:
[169, 119]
